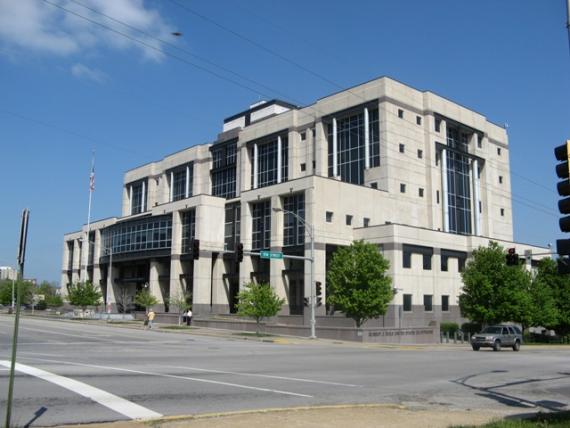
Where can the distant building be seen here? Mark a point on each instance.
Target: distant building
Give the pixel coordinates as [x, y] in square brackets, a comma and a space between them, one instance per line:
[7, 272]
[425, 179]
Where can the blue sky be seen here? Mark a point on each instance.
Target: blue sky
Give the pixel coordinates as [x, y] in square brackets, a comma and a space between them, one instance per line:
[69, 86]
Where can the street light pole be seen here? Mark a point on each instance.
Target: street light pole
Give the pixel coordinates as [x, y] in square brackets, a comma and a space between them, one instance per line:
[312, 297]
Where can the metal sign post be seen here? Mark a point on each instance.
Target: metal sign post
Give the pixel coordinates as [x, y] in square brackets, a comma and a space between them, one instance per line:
[21, 258]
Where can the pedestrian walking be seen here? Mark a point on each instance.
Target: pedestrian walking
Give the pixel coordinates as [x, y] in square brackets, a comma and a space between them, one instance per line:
[150, 317]
[189, 317]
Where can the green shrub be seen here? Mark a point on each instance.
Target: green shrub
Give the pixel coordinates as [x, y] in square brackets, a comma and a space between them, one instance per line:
[471, 328]
[449, 327]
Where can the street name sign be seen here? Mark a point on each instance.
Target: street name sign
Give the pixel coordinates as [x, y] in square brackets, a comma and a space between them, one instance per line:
[270, 254]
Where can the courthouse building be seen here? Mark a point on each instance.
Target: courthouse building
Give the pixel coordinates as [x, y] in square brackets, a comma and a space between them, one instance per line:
[424, 178]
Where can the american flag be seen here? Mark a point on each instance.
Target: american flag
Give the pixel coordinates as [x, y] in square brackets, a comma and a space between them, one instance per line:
[92, 179]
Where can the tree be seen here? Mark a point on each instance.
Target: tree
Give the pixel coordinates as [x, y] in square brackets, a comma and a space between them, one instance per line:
[51, 298]
[358, 284]
[494, 292]
[84, 294]
[145, 299]
[258, 301]
[26, 289]
[182, 304]
[545, 312]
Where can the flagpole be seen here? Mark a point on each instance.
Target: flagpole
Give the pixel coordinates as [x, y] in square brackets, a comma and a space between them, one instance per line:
[91, 188]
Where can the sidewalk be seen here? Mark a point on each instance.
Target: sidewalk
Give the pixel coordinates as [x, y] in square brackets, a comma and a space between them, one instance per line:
[340, 416]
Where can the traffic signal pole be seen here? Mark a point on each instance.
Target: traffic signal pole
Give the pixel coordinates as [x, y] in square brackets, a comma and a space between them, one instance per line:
[562, 154]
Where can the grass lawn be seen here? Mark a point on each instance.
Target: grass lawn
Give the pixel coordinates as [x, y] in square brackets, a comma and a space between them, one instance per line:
[542, 420]
[176, 327]
[253, 334]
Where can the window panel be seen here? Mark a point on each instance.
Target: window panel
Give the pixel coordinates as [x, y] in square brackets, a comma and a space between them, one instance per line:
[293, 229]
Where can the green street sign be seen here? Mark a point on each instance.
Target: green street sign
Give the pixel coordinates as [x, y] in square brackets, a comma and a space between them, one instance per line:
[264, 254]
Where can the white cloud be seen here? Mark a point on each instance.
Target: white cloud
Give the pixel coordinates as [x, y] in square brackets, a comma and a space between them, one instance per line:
[37, 26]
[83, 72]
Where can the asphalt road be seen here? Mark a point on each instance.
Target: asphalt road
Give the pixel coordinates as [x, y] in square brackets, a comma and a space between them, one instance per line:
[72, 372]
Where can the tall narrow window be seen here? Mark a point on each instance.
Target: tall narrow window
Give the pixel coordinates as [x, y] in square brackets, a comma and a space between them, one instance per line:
[428, 302]
[267, 161]
[138, 196]
[458, 181]
[224, 156]
[180, 181]
[445, 303]
[188, 230]
[407, 303]
[261, 225]
[232, 226]
[293, 229]
[350, 145]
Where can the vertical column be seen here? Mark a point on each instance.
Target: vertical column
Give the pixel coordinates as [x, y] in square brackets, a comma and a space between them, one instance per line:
[171, 188]
[131, 200]
[276, 267]
[366, 139]
[476, 195]
[143, 196]
[175, 285]
[84, 257]
[335, 148]
[279, 158]
[76, 261]
[255, 166]
[112, 291]
[444, 199]
[319, 151]
[246, 266]
[202, 296]
[154, 283]
[96, 255]
[220, 295]
[188, 192]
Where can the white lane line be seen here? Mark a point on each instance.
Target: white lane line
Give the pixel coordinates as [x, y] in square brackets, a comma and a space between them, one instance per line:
[267, 376]
[111, 401]
[215, 382]
[83, 336]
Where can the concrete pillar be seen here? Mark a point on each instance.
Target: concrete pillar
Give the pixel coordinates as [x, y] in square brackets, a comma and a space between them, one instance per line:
[202, 297]
[143, 197]
[239, 157]
[130, 200]
[335, 148]
[220, 302]
[320, 152]
[276, 266]
[171, 187]
[476, 195]
[366, 139]
[154, 284]
[176, 283]
[255, 166]
[76, 261]
[246, 266]
[188, 190]
[112, 290]
[85, 247]
[444, 199]
[279, 158]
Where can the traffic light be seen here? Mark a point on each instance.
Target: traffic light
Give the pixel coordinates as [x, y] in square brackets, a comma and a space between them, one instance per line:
[306, 301]
[512, 257]
[319, 290]
[239, 252]
[563, 265]
[562, 154]
[195, 249]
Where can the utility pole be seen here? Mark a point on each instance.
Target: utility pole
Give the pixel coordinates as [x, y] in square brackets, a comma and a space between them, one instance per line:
[21, 258]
